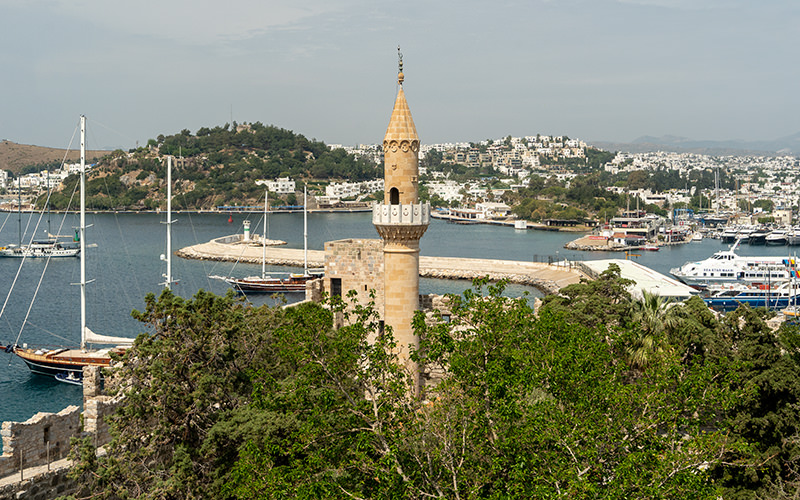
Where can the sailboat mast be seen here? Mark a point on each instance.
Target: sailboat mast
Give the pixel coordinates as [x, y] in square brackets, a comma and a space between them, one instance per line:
[49, 228]
[19, 208]
[168, 277]
[305, 231]
[264, 238]
[82, 233]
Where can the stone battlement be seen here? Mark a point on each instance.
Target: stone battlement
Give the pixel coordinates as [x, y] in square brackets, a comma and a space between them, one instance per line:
[45, 437]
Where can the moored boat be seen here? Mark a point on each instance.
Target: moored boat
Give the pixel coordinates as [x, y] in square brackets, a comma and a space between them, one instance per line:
[729, 234]
[777, 237]
[732, 296]
[41, 249]
[69, 378]
[758, 237]
[793, 236]
[726, 266]
[52, 361]
[264, 283]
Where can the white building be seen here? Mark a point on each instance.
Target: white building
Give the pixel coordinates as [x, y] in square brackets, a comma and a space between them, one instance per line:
[281, 185]
[446, 190]
[352, 189]
[342, 190]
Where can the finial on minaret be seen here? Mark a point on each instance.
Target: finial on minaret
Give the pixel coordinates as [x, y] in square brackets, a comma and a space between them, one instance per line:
[400, 66]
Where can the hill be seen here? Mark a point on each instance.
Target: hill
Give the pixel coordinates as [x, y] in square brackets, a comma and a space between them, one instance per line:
[15, 157]
[785, 145]
[217, 166]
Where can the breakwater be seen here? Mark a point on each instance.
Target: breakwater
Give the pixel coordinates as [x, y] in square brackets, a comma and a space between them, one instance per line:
[548, 278]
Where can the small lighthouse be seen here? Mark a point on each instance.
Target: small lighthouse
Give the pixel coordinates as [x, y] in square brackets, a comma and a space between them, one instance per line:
[401, 220]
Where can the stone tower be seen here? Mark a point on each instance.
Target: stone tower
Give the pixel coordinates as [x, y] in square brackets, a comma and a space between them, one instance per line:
[401, 220]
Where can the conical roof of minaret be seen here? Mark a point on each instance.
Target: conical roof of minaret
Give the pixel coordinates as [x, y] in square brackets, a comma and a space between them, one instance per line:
[401, 125]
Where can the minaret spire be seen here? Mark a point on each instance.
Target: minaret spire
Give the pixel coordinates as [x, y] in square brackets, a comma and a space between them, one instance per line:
[400, 75]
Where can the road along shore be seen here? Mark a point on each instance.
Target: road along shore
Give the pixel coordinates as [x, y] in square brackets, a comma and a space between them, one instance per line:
[549, 278]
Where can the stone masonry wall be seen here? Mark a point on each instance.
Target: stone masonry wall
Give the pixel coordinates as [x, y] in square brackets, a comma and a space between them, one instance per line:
[359, 265]
[96, 407]
[43, 436]
[41, 486]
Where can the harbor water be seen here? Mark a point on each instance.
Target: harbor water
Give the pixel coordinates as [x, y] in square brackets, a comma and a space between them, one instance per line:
[124, 266]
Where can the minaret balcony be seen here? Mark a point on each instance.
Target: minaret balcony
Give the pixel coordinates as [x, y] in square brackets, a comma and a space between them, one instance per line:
[418, 214]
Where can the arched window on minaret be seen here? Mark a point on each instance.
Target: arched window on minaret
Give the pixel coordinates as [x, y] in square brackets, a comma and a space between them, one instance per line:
[394, 196]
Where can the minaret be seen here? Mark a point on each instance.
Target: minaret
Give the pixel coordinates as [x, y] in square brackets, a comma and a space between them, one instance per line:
[401, 220]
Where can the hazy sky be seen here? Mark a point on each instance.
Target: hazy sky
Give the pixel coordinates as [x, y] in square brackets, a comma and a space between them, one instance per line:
[608, 70]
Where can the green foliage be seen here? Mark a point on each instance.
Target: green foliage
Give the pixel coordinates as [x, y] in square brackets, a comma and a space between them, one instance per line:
[221, 163]
[548, 411]
[767, 413]
[603, 301]
[765, 205]
[594, 396]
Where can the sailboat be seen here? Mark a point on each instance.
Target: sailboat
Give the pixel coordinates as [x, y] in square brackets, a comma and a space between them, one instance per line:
[65, 362]
[167, 257]
[294, 282]
[51, 247]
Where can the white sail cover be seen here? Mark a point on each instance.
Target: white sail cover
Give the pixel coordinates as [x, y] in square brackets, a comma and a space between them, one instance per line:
[93, 338]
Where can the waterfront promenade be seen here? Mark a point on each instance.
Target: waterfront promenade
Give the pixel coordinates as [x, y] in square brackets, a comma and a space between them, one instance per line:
[548, 278]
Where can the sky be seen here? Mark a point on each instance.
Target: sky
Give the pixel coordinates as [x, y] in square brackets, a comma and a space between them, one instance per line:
[597, 70]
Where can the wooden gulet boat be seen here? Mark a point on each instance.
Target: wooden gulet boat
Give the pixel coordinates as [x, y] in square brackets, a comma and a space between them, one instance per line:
[66, 361]
[294, 282]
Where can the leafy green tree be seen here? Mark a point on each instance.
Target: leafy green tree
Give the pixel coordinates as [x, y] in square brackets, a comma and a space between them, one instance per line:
[180, 382]
[228, 401]
[767, 413]
[539, 407]
[602, 301]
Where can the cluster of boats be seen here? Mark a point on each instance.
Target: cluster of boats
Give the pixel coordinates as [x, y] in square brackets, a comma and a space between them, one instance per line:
[66, 364]
[727, 280]
[759, 235]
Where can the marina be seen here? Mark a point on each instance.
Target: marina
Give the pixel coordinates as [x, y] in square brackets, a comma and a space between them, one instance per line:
[127, 260]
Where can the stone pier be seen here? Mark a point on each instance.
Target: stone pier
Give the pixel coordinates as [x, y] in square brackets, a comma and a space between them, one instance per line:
[548, 278]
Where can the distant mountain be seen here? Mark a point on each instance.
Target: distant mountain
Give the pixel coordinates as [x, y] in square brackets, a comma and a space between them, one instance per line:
[786, 145]
[15, 157]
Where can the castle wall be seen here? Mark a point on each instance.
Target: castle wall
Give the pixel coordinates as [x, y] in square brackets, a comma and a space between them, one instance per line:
[45, 438]
[358, 266]
[43, 485]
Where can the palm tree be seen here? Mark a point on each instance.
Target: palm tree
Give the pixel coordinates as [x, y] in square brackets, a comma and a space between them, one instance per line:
[653, 316]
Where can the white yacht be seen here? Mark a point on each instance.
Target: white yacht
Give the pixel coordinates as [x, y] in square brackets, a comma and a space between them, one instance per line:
[793, 236]
[726, 266]
[777, 237]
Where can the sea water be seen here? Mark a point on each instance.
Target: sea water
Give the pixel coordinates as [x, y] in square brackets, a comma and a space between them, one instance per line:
[125, 265]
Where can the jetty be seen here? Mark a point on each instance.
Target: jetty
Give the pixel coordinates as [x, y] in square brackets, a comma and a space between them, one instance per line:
[548, 278]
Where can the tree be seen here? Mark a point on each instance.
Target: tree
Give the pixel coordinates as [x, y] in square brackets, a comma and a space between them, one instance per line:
[180, 383]
[539, 407]
[229, 401]
[602, 301]
[653, 318]
[766, 414]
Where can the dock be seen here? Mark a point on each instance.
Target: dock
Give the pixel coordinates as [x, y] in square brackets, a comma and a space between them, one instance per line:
[549, 278]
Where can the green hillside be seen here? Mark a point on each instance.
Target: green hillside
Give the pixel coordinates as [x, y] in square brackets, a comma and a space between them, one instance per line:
[215, 166]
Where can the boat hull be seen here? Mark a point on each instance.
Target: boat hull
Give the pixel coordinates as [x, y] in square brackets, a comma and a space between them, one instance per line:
[730, 303]
[52, 363]
[270, 285]
[38, 252]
